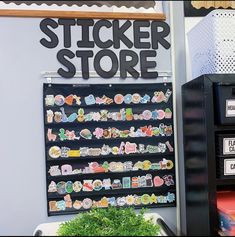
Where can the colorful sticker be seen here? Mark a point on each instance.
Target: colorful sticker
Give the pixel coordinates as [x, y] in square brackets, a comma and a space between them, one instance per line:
[98, 133]
[126, 182]
[77, 186]
[62, 134]
[97, 185]
[90, 100]
[130, 148]
[55, 152]
[70, 135]
[145, 99]
[129, 114]
[169, 181]
[134, 182]
[115, 150]
[69, 187]
[158, 181]
[87, 185]
[77, 205]
[50, 116]
[74, 153]
[107, 100]
[66, 169]
[85, 133]
[52, 187]
[170, 197]
[136, 98]
[116, 184]
[61, 205]
[146, 165]
[169, 164]
[80, 116]
[161, 114]
[130, 200]
[127, 99]
[121, 201]
[53, 206]
[50, 135]
[61, 187]
[64, 152]
[152, 149]
[54, 170]
[159, 96]
[104, 202]
[50, 100]
[167, 95]
[94, 152]
[58, 117]
[147, 115]
[145, 199]
[87, 203]
[153, 198]
[78, 99]
[149, 180]
[112, 201]
[168, 113]
[169, 146]
[118, 99]
[59, 100]
[72, 117]
[107, 184]
[69, 99]
[137, 201]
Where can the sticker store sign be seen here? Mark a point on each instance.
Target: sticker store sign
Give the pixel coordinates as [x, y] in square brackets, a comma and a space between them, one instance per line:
[138, 42]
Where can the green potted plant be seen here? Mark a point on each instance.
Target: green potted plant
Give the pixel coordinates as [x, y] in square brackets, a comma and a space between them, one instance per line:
[111, 221]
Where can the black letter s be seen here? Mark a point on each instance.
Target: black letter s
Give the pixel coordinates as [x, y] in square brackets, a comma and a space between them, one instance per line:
[61, 58]
[44, 24]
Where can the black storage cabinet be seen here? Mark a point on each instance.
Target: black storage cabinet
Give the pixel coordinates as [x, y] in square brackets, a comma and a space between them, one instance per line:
[208, 118]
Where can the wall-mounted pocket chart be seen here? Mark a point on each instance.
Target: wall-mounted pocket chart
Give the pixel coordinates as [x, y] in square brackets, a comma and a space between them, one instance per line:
[108, 145]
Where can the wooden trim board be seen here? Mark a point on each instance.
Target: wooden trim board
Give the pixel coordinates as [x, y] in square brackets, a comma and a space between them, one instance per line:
[82, 15]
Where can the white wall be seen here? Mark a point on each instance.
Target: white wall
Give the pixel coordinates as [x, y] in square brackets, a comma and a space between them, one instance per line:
[22, 59]
[190, 22]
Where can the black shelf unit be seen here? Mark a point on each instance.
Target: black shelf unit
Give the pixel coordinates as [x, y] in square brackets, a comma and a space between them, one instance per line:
[78, 162]
[201, 208]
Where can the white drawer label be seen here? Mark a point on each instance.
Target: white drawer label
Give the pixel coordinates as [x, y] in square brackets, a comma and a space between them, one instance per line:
[230, 108]
[229, 167]
[229, 146]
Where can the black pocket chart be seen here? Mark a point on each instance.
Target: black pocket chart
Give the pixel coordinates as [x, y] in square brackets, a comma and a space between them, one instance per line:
[108, 145]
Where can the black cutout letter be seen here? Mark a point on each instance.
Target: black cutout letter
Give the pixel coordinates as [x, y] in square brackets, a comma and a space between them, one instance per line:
[145, 64]
[128, 66]
[71, 68]
[44, 26]
[67, 23]
[84, 55]
[99, 70]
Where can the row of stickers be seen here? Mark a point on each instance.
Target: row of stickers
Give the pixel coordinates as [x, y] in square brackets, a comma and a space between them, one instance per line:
[95, 167]
[111, 132]
[136, 98]
[145, 181]
[124, 114]
[130, 200]
[125, 148]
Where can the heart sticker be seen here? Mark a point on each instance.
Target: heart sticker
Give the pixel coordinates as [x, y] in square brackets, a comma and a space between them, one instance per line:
[158, 181]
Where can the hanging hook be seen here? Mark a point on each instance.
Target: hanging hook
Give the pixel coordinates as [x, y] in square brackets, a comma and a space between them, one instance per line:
[49, 81]
[165, 80]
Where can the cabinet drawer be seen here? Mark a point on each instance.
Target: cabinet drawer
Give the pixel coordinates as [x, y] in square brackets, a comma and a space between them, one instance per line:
[225, 167]
[225, 145]
[224, 103]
